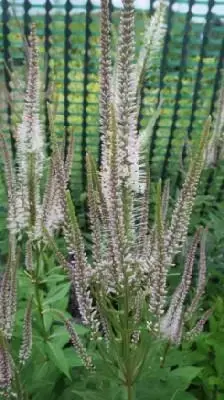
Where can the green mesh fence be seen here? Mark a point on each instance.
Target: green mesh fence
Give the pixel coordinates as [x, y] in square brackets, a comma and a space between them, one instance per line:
[191, 63]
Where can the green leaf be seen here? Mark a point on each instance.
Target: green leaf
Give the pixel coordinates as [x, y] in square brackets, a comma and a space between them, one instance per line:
[60, 336]
[165, 384]
[60, 293]
[183, 396]
[186, 374]
[48, 320]
[56, 354]
[219, 359]
[72, 358]
[55, 278]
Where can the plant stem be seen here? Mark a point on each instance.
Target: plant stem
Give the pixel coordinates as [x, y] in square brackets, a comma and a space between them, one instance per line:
[18, 385]
[126, 338]
[162, 363]
[38, 296]
[130, 392]
[40, 309]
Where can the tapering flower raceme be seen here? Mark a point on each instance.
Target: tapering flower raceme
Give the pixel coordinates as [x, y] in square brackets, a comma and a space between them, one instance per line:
[153, 40]
[29, 256]
[198, 328]
[30, 147]
[8, 293]
[58, 177]
[6, 372]
[171, 325]
[158, 273]
[78, 346]
[177, 232]
[94, 219]
[11, 184]
[165, 200]
[125, 99]
[26, 346]
[105, 90]
[80, 269]
[53, 213]
[201, 281]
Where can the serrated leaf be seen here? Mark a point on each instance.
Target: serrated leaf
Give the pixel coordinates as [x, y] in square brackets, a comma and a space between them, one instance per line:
[60, 293]
[56, 354]
[73, 359]
[60, 336]
[48, 320]
[186, 374]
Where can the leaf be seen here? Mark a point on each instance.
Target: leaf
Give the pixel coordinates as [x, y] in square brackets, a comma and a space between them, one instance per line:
[60, 293]
[48, 320]
[165, 384]
[56, 354]
[183, 396]
[186, 374]
[175, 357]
[219, 357]
[73, 359]
[108, 390]
[55, 278]
[41, 379]
[60, 336]
[80, 329]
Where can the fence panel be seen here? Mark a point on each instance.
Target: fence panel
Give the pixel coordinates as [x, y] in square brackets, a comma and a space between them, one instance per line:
[191, 63]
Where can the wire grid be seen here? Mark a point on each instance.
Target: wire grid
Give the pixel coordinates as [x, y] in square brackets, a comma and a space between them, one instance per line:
[189, 79]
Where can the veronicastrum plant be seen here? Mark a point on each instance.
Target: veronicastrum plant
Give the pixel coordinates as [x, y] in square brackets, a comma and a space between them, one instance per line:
[122, 293]
[34, 188]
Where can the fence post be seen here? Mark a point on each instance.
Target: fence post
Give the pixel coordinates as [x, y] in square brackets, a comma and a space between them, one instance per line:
[198, 76]
[163, 66]
[47, 47]
[26, 18]
[67, 57]
[151, 2]
[85, 89]
[142, 89]
[212, 109]
[182, 65]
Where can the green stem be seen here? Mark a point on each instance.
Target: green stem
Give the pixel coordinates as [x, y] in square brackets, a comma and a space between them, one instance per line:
[40, 309]
[128, 365]
[130, 392]
[38, 295]
[162, 363]
[18, 385]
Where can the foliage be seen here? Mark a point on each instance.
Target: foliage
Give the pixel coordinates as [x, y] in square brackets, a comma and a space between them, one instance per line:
[209, 356]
